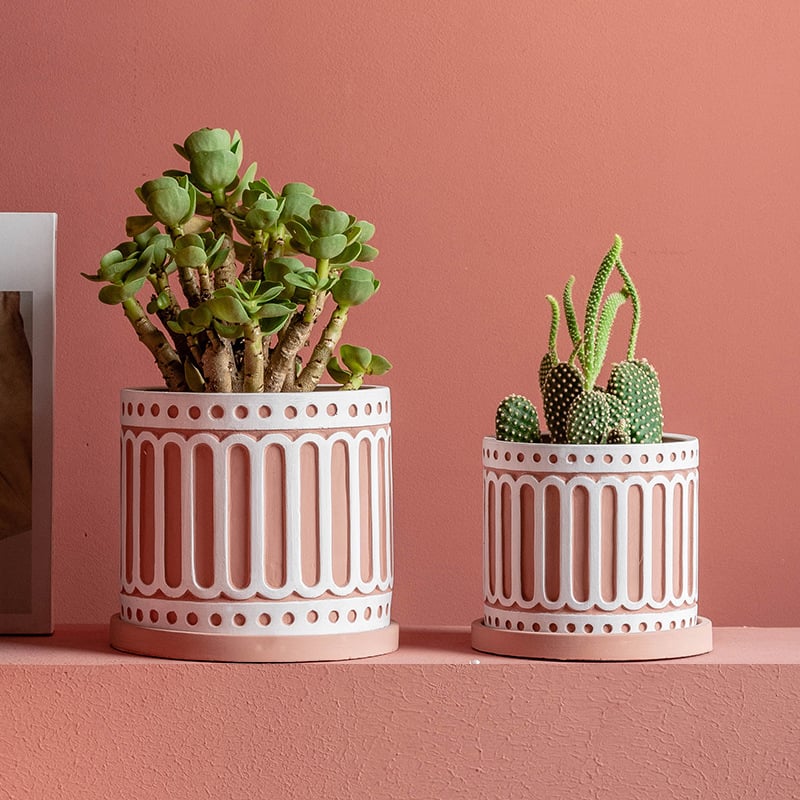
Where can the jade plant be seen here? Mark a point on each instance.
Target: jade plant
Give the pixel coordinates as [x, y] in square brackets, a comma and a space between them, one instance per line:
[576, 409]
[224, 279]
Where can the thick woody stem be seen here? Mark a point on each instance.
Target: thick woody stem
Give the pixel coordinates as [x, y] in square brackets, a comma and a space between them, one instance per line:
[225, 274]
[253, 358]
[283, 356]
[314, 370]
[179, 340]
[166, 358]
[188, 282]
[205, 282]
[218, 364]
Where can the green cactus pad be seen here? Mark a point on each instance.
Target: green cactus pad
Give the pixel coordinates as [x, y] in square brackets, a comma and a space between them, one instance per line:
[517, 421]
[564, 383]
[549, 360]
[617, 413]
[636, 384]
[620, 434]
[588, 417]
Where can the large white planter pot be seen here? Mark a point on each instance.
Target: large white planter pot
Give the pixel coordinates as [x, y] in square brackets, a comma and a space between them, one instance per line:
[590, 551]
[256, 527]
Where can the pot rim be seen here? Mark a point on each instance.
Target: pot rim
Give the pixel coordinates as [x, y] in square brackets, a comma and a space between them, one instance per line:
[676, 451]
[327, 388]
[262, 411]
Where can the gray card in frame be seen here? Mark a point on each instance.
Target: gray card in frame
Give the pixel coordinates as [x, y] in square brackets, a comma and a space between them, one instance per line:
[27, 271]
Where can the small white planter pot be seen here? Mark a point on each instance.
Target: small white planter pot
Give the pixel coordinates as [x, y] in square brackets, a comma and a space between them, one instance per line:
[590, 551]
[256, 527]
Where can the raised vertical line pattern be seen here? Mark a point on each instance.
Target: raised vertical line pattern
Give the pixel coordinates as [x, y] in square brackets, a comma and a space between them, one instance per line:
[310, 514]
[136, 471]
[526, 550]
[205, 513]
[669, 542]
[291, 516]
[516, 543]
[566, 595]
[488, 520]
[257, 521]
[506, 505]
[381, 576]
[159, 554]
[539, 544]
[623, 595]
[325, 469]
[595, 589]
[647, 542]
[221, 481]
[389, 511]
[374, 496]
[693, 478]
[126, 540]
[188, 579]
[685, 543]
[497, 577]
[237, 518]
[353, 527]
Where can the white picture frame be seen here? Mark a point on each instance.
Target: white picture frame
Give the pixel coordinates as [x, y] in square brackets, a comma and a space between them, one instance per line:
[27, 279]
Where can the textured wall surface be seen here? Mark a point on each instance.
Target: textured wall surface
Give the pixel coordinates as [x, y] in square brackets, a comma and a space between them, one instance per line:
[436, 726]
[497, 147]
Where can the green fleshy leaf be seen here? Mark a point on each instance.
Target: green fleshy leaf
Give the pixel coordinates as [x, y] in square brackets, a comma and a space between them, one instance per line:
[348, 255]
[356, 359]
[302, 280]
[272, 310]
[194, 378]
[214, 170]
[228, 331]
[190, 257]
[355, 286]
[228, 309]
[297, 205]
[379, 365]
[167, 200]
[242, 184]
[334, 370]
[115, 271]
[206, 140]
[299, 233]
[368, 253]
[296, 188]
[138, 224]
[327, 221]
[111, 295]
[367, 230]
[328, 246]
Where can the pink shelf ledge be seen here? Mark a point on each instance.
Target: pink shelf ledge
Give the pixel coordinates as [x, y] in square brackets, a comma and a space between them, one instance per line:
[88, 645]
[436, 721]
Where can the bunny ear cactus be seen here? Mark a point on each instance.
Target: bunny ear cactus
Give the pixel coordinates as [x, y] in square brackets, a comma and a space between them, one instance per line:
[577, 411]
[257, 270]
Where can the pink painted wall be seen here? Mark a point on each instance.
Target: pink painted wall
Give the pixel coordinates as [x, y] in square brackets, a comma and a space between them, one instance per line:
[498, 147]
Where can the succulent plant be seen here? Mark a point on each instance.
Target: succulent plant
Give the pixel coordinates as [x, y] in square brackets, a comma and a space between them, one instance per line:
[578, 411]
[257, 271]
[517, 420]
